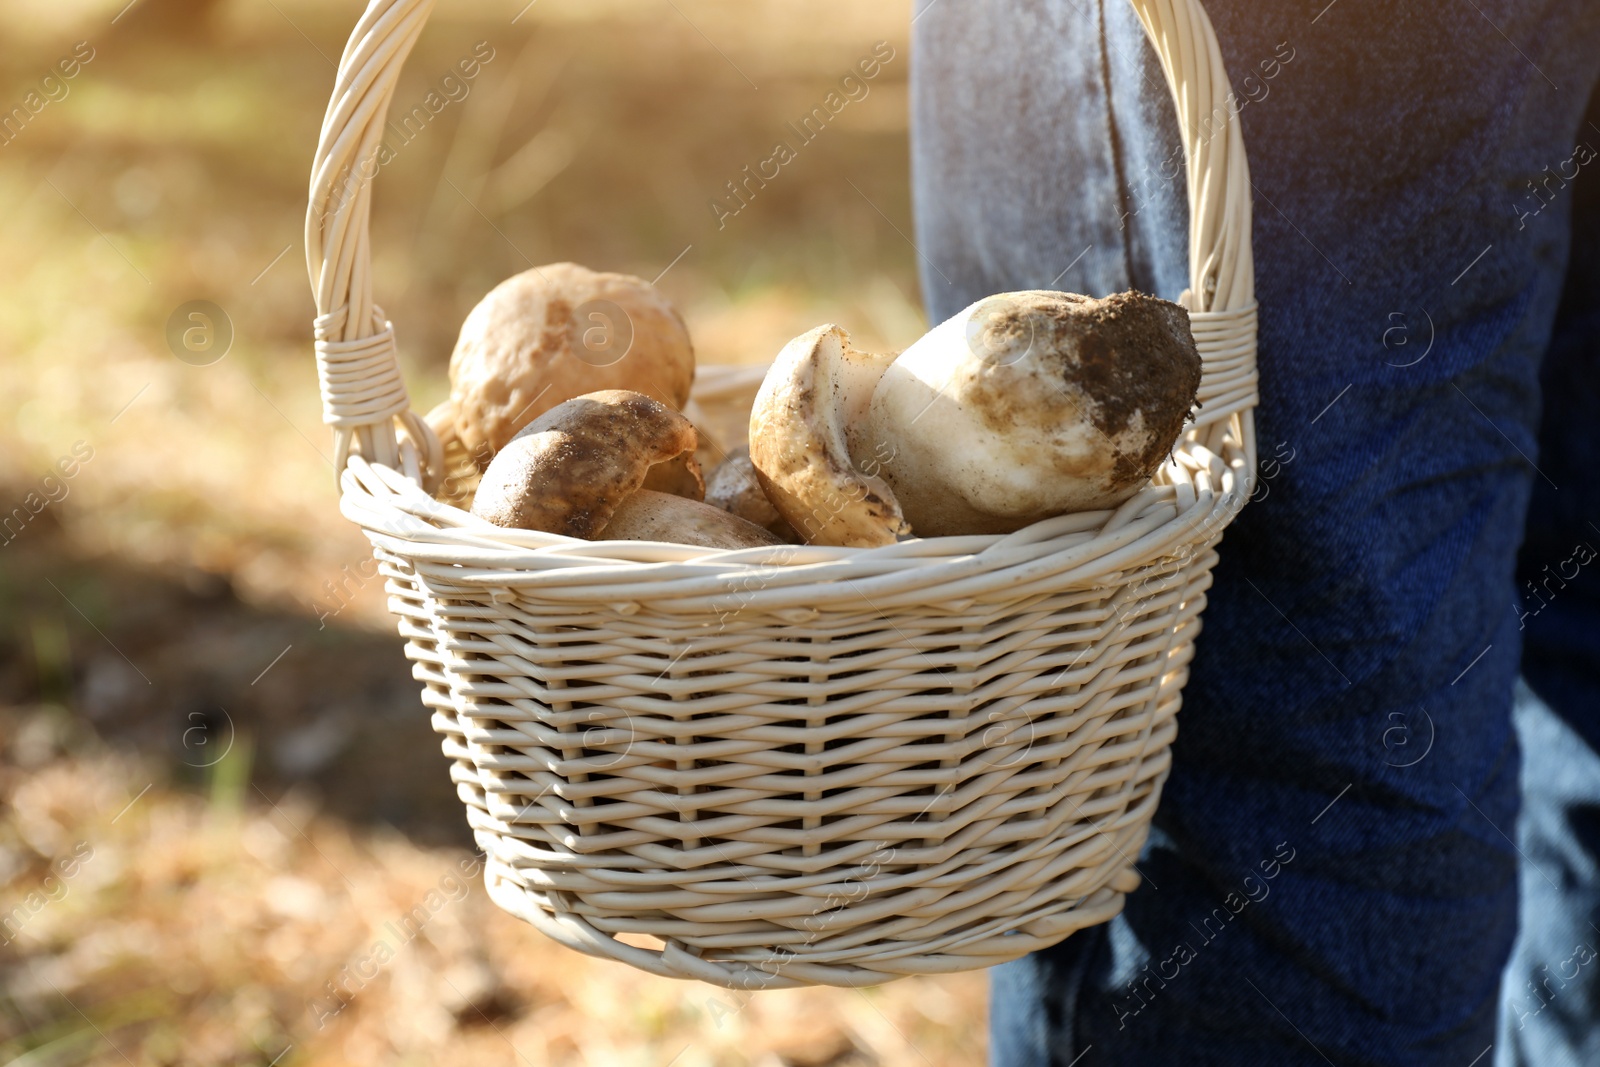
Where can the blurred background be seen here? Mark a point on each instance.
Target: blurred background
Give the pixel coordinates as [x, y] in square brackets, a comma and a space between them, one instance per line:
[218, 789]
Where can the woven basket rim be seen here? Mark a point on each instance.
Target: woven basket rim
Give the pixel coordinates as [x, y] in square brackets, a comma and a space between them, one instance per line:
[392, 507]
[1162, 528]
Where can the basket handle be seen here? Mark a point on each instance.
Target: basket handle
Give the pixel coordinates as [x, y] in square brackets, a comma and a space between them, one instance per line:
[358, 370]
[357, 367]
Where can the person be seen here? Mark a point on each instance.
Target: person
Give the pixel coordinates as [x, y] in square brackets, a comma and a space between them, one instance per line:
[1335, 869]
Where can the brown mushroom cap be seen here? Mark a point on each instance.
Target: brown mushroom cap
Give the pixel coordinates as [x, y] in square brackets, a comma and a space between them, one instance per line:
[569, 469]
[652, 516]
[549, 334]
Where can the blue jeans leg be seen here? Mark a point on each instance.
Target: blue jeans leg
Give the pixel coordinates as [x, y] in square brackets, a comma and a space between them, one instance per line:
[1550, 1014]
[1017, 1034]
[1551, 999]
[1332, 881]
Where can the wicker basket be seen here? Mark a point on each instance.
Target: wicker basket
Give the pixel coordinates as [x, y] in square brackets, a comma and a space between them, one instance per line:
[796, 765]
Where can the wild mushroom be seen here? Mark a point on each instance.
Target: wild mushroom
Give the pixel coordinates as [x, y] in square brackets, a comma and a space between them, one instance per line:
[817, 389]
[568, 470]
[1032, 404]
[549, 334]
[733, 486]
[652, 516]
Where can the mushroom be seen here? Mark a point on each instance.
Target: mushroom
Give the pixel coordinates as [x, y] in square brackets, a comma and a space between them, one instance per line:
[549, 334]
[568, 470]
[652, 516]
[817, 389]
[1032, 404]
[733, 486]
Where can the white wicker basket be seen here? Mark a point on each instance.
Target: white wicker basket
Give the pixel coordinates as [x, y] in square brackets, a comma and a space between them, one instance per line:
[798, 765]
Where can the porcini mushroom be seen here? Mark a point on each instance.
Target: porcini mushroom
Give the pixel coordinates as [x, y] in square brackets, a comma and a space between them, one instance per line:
[818, 388]
[1032, 404]
[652, 516]
[549, 334]
[568, 470]
[733, 486]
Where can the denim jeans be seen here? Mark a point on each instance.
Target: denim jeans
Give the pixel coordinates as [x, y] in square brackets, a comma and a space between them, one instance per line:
[1350, 822]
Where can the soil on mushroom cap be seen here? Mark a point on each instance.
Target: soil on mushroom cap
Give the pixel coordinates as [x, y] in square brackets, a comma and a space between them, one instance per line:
[1163, 380]
[1122, 353]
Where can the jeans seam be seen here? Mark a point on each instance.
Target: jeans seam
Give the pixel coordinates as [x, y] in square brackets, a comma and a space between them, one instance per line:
[1114, 143]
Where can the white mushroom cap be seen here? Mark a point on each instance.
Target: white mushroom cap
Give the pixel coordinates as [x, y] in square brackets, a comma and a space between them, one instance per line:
[1032, 404]
[817, 389]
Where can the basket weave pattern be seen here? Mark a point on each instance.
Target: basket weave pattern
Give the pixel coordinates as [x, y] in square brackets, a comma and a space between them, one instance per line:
[797, 765]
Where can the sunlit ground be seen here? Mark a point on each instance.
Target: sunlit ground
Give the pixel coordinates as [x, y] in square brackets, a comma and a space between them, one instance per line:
[190, 589]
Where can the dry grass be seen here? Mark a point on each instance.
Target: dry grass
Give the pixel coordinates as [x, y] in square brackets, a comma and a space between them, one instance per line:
[201, 538]
[227, 930]
[176, 170]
